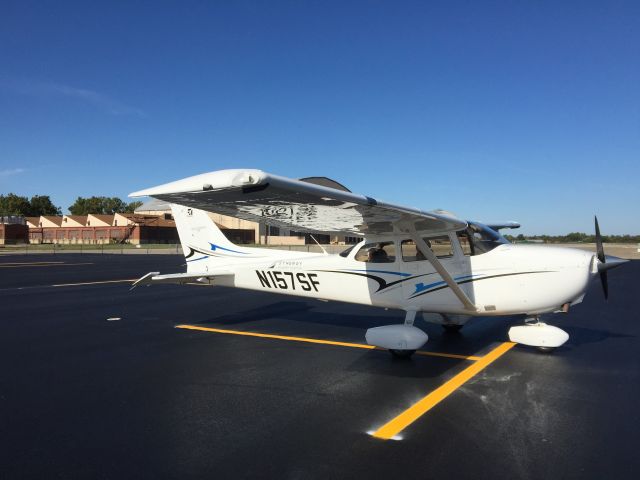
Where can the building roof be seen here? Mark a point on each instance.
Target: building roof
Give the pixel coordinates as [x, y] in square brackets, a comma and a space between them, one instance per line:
[81, 219]
[53, 219]
[154, 205]
[107, 219]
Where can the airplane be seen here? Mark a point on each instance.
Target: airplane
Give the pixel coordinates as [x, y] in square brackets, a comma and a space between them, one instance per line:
[432, 262]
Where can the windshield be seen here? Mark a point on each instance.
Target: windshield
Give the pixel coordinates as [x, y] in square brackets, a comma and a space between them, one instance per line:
[479, 238]
[345, 253]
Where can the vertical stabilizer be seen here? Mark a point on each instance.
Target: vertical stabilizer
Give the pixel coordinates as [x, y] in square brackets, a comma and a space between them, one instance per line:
[199, 235]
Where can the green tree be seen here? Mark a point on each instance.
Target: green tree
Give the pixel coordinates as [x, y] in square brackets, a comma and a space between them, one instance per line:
[79, 207]
[576, 237]
[98, 205]
[113, 205]
[132, 207]
[42, 205]
[12, 204]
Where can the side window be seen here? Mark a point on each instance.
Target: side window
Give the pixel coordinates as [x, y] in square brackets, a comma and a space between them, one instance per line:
[440, 245]
[465, 243]
[383, 252]
[410, 252]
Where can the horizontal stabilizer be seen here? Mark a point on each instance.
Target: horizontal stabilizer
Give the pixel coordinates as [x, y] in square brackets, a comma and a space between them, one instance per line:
[500, 226]
[204, 278]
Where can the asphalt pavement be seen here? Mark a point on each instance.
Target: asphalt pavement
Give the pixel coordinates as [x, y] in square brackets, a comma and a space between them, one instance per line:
[96, 381]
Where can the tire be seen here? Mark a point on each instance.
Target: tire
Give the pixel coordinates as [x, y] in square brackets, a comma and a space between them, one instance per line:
[402, 353]
[451, 327]
[545, 349]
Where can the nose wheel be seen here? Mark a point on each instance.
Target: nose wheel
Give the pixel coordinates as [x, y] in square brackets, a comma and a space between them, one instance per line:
[546, 349]
[402, 353]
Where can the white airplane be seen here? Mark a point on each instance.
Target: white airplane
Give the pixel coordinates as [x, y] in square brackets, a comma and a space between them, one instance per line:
[407, 259]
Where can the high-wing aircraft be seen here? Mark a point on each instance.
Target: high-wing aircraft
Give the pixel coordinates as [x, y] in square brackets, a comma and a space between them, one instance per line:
[407, 259]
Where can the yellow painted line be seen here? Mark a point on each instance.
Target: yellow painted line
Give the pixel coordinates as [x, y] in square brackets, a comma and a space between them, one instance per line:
[277, 337]
[312, 340]
[92, 283]
[47, 265]
[396, 425]
[448, 355]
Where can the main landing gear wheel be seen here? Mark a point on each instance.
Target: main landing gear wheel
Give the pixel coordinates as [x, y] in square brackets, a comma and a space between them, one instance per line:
[451, 327]
[402, 353]
[545, 349]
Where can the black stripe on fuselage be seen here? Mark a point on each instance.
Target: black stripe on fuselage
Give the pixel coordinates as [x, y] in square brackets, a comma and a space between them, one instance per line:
[382, 283]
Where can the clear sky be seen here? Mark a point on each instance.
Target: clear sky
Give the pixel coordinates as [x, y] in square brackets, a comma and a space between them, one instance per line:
[526, 111]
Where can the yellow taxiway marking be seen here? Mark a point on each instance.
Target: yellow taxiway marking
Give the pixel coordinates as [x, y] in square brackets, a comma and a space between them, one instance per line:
[448, 355]
[59, 264]
[314, 340]
[92, 283]
[394, 426]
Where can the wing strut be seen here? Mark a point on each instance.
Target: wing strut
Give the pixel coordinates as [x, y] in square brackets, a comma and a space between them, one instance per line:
[429, 255]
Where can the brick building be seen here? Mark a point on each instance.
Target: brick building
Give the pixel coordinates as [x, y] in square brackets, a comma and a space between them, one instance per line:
[13, 229]
[102, 229]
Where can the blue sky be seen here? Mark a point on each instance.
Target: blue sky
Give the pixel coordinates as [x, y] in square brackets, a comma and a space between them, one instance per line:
[526, 111]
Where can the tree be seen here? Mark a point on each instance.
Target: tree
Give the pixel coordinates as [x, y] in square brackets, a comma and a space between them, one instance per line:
[132, 207]
[81, 207]
[42, 205]
[12, 204]
[114, 205]
[576, 237]
[101, 205]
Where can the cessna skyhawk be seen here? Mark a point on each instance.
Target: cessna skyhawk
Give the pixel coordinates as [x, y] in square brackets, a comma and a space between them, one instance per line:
[407, 259]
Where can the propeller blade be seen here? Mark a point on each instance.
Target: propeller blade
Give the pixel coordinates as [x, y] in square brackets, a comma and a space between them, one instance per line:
[605, 284]
[599, 247]
[603, 260]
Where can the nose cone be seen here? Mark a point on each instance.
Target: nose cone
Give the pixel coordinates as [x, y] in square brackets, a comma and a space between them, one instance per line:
[610, 262]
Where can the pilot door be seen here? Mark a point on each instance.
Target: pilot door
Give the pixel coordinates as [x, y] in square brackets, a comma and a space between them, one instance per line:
[422, 276]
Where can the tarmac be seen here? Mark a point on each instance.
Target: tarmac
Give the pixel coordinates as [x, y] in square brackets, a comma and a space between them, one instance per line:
[97, 381]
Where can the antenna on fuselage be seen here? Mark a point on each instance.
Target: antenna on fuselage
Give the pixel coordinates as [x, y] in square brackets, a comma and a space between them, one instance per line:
[321, 247]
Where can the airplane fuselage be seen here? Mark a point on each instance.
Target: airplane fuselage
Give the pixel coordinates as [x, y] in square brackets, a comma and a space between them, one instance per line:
[510, 279]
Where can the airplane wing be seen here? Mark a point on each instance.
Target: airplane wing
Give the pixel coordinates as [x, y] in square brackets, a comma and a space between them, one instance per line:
[258, 196]
[204, 278]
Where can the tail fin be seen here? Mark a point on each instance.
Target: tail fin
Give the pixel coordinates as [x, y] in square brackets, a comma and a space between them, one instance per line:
[199, 234]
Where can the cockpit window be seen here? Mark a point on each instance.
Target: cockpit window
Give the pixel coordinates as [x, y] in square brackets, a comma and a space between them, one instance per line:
[382, 252]
[478, 239]
[465, 243]
[440, 245]
[345, 253]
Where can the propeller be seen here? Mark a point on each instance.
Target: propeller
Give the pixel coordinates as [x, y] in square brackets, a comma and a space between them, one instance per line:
[603, 261]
